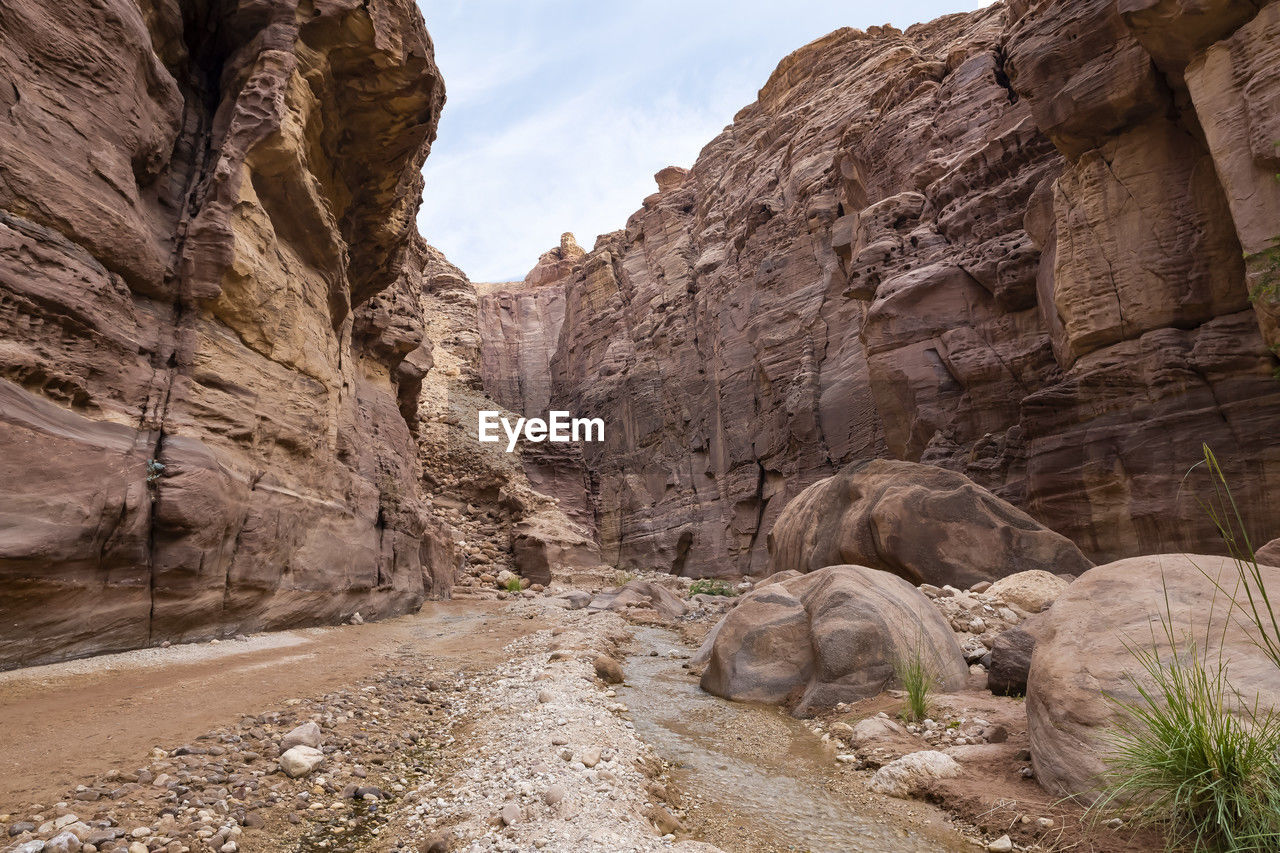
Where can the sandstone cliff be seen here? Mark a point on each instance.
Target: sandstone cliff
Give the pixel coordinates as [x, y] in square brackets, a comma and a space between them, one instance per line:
[1008, 243]
[210, 337]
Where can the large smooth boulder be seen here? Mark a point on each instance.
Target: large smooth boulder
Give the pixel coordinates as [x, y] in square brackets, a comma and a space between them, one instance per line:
[1081, 656]
[926, 524]
[828, 636]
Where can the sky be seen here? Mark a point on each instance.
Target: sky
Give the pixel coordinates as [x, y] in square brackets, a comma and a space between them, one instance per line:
[559, 112]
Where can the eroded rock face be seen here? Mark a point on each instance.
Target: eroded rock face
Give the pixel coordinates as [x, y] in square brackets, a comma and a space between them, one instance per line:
[922, 523]
[519, 325]
[830, 636]
[209, 321]
[1007, 243]
[1083, 653]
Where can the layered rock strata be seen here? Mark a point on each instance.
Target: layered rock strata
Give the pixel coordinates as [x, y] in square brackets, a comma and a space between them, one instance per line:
[1019, 243]
[209, 331]
[505, 517]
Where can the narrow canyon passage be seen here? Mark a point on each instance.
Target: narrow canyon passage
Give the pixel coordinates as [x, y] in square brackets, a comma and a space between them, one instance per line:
[898, 375]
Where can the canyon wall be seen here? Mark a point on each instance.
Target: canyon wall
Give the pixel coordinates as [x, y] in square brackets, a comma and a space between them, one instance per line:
[211, 342]
[1018, 243]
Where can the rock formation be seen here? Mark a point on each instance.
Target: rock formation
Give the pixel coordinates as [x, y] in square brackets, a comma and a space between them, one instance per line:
[1008, 243]
[503, 519]
[922, 523]
[1083, 654]
[519, 326]
[831, 636]
[211, 339]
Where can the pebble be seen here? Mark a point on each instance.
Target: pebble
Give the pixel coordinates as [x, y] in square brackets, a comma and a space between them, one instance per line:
[1003, 844]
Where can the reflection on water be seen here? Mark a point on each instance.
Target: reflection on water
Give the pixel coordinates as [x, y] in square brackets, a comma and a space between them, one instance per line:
[754, 761]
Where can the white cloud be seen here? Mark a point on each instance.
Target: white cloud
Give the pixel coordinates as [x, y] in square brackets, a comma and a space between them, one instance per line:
[560, 111]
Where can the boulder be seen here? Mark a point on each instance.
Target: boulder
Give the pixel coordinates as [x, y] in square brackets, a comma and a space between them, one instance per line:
[1011, 659]
[829, 636]
[907, 775]
[1030, 591]
[307, 734]
[925, 524]
[548, 542]
[1269, 554]
[300, 761]
[608, 669]
[1082, 654]
[874, 729]
[778, 577]
[641, 594]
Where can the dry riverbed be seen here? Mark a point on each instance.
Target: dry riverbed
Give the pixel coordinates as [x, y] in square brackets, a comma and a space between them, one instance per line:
[470, 726]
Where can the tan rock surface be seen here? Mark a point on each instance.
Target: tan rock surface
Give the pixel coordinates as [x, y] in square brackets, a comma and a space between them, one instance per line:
[1081, 654]
[203, 284]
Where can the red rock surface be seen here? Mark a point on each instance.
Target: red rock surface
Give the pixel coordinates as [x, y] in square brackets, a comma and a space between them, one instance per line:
[1007, 243]
[209, 339]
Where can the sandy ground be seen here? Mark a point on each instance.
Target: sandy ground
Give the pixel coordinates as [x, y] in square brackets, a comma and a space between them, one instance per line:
[67, 721]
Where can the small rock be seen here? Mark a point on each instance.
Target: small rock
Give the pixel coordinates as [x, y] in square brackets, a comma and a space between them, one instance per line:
[665, 821]
[64, 842]
[995, 734]
[307, 734]
[609, 670]
[1003, 844]
[1044, 822]
[510, 814]
[300, 761]
[903, 777]
[33, 846]
[435, 844]
[590, 756]
[553, 795]
[21, 827]
[356, 618]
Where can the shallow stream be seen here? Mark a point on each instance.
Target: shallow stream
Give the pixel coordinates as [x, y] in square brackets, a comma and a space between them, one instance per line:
[769, 781]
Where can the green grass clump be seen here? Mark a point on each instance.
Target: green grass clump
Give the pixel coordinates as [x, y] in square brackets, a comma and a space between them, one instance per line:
[514, 585]
[918, 679]
[1192, 754]
[1182, 760]
[712, 587]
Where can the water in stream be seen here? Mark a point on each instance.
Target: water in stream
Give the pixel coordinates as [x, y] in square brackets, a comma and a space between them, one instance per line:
[762, 769]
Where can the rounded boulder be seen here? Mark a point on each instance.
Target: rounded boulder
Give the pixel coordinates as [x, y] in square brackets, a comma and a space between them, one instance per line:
[829, 636]
[926, 524]
[1084, 654]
